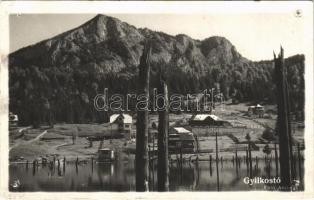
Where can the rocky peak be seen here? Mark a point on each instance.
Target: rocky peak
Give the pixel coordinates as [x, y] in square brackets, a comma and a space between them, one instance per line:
[219, 50]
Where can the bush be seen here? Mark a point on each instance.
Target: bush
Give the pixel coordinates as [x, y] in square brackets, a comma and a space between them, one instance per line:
[269, 134]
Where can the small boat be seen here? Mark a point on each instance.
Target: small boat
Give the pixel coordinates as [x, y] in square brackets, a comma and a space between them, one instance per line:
[106, 155]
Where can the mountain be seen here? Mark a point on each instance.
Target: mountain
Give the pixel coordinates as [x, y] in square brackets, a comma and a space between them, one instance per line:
[63, 74]
[114, 46]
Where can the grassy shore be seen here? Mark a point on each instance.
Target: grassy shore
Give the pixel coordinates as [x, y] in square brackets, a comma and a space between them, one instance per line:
[57, 142]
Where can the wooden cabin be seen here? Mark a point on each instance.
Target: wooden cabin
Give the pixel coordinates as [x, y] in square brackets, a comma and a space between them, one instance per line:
[121, 123]
[13, 119]
[256, 110]
[106, 155]
[181, 139]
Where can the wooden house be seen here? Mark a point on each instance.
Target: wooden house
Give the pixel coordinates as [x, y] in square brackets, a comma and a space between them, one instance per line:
[181, 139]
[121, 123]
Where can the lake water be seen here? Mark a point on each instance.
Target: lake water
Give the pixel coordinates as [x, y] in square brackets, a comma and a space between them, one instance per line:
[120, 176]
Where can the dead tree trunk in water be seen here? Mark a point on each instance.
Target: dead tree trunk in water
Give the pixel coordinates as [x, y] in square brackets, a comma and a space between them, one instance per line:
[141, 157]
[283, 129]
[250, 160]
[217, 160]
[276, 159]
[163, 163]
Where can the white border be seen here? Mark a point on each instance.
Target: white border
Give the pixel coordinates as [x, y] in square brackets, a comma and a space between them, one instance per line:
[156, 7]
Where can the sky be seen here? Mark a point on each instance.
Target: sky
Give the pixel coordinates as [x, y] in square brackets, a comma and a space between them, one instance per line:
[255, 35]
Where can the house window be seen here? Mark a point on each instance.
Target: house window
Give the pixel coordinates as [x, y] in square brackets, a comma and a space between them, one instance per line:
[127, 126]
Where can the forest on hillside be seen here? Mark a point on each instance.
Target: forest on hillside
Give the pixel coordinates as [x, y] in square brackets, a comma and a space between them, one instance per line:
[39, 94]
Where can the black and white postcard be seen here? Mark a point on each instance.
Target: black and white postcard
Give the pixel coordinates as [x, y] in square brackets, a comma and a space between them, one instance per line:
[191, 99]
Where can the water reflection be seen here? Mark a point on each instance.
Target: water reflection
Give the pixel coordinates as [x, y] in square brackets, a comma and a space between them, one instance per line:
[120, 176]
